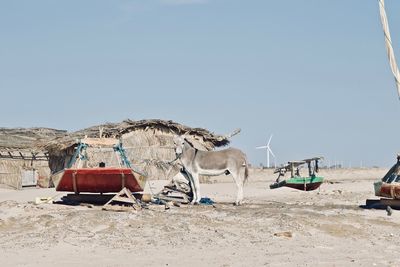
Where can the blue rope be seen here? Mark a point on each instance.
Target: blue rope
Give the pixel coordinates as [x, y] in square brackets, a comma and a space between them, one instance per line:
[125, 161]
[77, 154]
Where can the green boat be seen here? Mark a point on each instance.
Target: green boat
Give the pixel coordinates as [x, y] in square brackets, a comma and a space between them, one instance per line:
[296, 181]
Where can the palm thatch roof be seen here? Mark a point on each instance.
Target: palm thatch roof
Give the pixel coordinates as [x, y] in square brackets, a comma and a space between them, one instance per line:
[27, 138]
[148, 144]
[116, 130]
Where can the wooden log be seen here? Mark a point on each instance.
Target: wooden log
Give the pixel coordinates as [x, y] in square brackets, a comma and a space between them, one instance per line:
[382, 203]
[394, 203]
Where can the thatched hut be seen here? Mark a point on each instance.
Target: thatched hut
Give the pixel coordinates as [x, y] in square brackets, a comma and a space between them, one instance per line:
[148, 145]
[22, 163]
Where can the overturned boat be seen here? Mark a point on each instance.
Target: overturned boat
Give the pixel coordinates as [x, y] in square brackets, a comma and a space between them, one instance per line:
[96, 175]
[389, 185]
[296, 181]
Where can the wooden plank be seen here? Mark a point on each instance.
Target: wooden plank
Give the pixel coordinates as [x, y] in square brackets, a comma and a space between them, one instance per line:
[174, 199]
[124, 200]
[110, 142]
[312, 159]
[296, 162]
[118, 208]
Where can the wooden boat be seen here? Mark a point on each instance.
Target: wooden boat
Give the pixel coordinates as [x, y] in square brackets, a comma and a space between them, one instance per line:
[389, 185]
[101, 179]
[296, 181]
[301, 183]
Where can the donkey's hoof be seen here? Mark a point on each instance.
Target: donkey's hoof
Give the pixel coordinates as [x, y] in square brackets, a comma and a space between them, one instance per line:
[238, 203]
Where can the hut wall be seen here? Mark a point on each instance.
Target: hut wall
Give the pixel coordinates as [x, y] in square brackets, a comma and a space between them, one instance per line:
[59, 161]
[149, 150]
[11, 171]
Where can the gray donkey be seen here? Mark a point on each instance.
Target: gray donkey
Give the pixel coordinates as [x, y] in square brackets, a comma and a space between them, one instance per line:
[211, 163]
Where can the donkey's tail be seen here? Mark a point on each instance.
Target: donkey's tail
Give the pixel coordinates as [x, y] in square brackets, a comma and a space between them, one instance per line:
[246, 170]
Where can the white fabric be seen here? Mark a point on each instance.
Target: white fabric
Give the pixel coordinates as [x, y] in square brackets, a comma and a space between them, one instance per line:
[388, 42]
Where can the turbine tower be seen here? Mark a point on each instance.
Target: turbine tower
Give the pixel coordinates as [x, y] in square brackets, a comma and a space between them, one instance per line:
[268, 148]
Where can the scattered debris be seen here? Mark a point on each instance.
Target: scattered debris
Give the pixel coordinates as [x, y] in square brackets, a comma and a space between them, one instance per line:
[90, 206]
[206, 201]
[284, 234]
[43, 200]
[334, 182]
[177, 191]
[123, 201]
[338, 191]
[145, 198]
[168, 205]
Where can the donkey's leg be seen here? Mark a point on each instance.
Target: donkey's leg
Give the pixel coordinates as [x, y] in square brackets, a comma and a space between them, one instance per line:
[192, 186]
[239, 185]
[196, 185]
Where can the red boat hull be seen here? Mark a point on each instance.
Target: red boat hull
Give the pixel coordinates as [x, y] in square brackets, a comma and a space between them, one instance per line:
[389, 190]
[99, 180]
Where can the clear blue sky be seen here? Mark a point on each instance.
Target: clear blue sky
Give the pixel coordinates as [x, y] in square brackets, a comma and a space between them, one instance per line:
[314, 73]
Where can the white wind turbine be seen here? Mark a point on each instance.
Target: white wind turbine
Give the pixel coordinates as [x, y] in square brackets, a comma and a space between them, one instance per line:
[268, 148]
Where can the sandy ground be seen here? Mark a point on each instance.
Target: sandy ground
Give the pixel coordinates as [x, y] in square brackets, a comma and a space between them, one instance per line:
[281, 227]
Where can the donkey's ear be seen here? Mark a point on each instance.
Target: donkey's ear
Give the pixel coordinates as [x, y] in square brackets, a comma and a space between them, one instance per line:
[172, 131]
[185, 135]
[176, 138]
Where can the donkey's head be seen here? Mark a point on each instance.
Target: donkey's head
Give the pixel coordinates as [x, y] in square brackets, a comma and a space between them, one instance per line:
[179, 142]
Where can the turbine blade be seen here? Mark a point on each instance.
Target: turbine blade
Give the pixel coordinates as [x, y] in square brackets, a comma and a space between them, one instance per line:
[269, 141]
[269, 149]
[261, 147]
